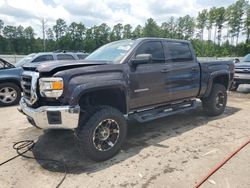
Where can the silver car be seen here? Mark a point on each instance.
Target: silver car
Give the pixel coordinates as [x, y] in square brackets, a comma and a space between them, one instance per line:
[50, 56]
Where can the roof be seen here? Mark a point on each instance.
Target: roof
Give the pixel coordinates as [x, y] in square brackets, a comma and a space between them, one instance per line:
[158, 38]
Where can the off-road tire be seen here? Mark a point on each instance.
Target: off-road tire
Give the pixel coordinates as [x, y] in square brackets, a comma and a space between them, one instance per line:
[211, 105]
[15, 88]
[89, 121]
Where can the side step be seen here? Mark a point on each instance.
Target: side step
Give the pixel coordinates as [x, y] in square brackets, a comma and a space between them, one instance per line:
[156, 113]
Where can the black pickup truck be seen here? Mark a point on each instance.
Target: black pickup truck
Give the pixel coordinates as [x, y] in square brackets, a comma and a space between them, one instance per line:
[142, 79]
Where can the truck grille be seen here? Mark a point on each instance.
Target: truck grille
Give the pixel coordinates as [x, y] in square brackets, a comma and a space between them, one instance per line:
[242, 70]
[29, 84]
[26, 85]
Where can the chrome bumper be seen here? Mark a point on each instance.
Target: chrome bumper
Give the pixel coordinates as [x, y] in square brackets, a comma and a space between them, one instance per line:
[67, 116]
[242, 76]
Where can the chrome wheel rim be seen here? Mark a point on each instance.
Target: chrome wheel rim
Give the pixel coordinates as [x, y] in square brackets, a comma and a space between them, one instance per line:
[106, 135]
[8, 95]
[220, 100]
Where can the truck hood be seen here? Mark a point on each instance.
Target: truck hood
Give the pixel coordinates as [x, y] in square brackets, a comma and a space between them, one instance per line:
[242, 65]
[60, 65]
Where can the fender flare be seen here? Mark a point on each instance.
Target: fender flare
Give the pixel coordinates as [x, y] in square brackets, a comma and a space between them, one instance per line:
[83, 89]
[214, 75]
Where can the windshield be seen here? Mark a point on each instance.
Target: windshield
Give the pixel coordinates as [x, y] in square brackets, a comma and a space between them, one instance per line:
[24, 60]
[112, 52]
[246, 58]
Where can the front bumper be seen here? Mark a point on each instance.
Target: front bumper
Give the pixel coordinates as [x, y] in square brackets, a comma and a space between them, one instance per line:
[242, 78]
[46, 117]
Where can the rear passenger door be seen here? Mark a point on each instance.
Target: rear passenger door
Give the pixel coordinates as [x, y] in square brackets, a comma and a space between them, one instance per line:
[183, 76]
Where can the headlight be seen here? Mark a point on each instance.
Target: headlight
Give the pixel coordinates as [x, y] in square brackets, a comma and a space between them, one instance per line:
[51, 87]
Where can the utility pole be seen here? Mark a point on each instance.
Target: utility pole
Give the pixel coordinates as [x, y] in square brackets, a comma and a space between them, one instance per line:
[44, 27]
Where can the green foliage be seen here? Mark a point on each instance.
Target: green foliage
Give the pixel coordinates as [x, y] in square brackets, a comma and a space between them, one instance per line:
[127, 31]
[234, 19]
[201, 22]
[151, 29]
[1, 25]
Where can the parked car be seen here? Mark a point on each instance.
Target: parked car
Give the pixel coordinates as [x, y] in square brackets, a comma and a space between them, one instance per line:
[50, 56]
[10, 88]
[242, 73]
[142, 79]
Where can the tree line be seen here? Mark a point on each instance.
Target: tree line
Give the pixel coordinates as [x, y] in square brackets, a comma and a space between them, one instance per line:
[227, 30]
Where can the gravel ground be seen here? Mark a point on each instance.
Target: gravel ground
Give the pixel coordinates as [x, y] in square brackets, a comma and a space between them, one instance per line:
[176, 151]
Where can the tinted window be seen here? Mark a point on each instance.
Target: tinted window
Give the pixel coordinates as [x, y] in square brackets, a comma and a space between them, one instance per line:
[81, 56]
[179, 51]
[65, 57]
[43, 58]
[153, 48]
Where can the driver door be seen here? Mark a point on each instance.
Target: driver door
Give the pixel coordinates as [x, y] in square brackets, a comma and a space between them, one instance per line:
[147, 80]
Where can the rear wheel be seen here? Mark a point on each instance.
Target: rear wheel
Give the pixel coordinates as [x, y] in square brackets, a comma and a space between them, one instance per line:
[102, 134]
[10, 94]
[215, 103]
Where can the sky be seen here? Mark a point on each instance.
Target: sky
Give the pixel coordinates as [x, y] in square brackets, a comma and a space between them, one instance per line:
[94, 12]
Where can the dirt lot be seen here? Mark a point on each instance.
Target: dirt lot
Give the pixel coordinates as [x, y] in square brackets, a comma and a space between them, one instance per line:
[172, 152]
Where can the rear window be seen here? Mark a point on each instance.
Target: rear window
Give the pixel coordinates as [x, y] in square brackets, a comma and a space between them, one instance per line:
[179, 51]
[65, 57]
[43, 58]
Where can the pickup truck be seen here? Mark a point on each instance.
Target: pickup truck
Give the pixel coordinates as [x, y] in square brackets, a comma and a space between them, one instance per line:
[242, 73]
[142, 79]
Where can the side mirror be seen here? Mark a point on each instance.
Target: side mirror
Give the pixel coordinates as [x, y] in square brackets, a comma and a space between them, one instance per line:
[141, 59]
[236, 60]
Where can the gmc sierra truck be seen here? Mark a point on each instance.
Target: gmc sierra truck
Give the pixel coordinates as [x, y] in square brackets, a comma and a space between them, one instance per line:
[142, 79]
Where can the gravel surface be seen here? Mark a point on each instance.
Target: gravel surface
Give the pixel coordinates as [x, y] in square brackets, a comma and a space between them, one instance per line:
[176, 151]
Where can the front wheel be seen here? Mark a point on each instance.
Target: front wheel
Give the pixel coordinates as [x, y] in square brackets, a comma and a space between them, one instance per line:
[10, 94]
[215, 103]
[101, 135]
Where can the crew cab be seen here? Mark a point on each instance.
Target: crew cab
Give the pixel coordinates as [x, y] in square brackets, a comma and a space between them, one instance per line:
[242, 73]
[142, 79]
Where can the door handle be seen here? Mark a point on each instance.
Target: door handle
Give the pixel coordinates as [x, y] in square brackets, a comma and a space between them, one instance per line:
[165, 70]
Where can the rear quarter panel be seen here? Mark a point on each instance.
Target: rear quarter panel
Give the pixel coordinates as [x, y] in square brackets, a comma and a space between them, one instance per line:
[212, 69]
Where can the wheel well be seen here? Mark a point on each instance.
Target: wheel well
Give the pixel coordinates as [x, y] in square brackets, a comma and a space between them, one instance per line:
[223, 80]
[11, 81]
[111, 97]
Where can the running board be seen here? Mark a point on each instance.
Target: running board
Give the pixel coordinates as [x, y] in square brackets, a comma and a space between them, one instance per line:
[165, 111]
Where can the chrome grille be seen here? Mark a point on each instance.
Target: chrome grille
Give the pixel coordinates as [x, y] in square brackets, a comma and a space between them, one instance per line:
[29, 84]
[26, 85]
[242, 69]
